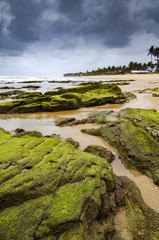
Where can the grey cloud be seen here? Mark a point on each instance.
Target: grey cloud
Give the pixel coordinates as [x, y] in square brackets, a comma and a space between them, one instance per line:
[18, 25]
[153, 13]
[71, 8]
[23, 26]
[112, 23]
[107, 20]
[5, 18]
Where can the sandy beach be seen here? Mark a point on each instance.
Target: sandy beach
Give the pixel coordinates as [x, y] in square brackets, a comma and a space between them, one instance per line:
[142, 77]
[142, 81]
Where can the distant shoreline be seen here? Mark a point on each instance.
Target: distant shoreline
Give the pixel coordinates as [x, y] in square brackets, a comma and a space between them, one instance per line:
[128, 76]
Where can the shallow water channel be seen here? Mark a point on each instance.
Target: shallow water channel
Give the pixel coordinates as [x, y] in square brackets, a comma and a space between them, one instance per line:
[45, 123]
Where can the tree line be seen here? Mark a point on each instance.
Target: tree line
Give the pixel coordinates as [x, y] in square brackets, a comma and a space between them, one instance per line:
[150, 66]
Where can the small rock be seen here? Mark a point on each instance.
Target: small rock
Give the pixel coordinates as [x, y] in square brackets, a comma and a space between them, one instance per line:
[65, 121]
[100, 152]
[53, 136]
[73, 142]
[19, 130]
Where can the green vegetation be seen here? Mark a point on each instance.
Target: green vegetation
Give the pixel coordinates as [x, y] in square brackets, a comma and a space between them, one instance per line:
[114, 70]
[154, 52]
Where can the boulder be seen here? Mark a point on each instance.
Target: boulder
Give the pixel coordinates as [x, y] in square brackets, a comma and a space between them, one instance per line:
[50, 190]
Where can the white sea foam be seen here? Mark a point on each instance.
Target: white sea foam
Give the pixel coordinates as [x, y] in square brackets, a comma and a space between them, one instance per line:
[45, 83]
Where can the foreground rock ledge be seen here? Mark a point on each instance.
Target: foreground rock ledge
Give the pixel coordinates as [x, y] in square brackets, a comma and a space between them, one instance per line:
[135, 134]
[50, 190]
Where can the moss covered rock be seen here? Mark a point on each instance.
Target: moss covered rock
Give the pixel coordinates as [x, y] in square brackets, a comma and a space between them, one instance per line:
[63, 99]
[135, 133]
[50, 190]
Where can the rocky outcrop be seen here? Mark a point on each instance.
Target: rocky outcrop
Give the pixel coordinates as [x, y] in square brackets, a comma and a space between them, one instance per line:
[62, 99]
[135, 134]
[50, 190]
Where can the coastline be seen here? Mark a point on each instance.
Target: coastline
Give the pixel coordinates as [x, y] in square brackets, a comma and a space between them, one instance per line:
[140, 82]
[153, 76]
[127, 76]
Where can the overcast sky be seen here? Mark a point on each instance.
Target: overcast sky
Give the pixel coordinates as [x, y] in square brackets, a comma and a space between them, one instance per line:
[52, 37]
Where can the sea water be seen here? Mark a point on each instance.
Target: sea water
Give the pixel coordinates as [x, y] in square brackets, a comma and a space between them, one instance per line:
[9, 83]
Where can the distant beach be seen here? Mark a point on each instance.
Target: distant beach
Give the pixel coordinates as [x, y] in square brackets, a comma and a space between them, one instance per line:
[142, 77]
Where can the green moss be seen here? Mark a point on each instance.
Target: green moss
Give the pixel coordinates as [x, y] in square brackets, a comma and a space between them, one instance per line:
[142, 142]
[150, 89]
[6, 107]
[142, 224]
[20, 222]
[11, 93]
[155, 89]
[136, 220]
[76, 96]
[77, 233]
[53, 191]
[141, 117]
[101, 93]
[64, 99]
[28, 95]
[135, 134]
[70, 198]
[81, 89]
[48, 188]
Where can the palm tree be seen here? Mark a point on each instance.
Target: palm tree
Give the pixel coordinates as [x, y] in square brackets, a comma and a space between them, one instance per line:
[151, 51]
[156, 54]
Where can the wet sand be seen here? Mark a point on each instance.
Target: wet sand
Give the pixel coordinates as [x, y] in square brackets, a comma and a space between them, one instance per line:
[45, 123]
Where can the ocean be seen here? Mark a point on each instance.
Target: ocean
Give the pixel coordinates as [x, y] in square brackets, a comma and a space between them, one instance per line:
[40, 84]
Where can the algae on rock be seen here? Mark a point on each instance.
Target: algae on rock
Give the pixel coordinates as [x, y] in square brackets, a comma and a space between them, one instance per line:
[63, 99]
[50, 190]
[135, 134]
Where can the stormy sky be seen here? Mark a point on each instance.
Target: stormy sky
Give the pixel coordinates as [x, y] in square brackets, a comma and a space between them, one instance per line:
[52, 37]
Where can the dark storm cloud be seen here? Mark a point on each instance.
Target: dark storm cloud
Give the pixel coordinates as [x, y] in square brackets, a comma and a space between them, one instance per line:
[23, 26]
[71, 8]
[112, 23]
[152, 13]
